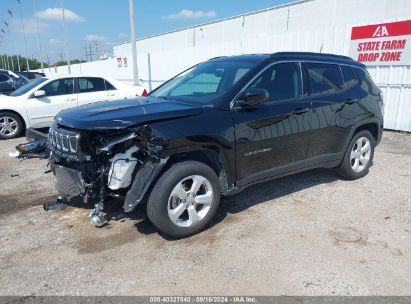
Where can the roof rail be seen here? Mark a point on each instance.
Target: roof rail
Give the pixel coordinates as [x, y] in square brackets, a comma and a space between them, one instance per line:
[311, 54]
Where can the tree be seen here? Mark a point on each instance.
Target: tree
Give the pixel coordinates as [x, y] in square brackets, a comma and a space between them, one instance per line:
[33, 63]
[62, 62]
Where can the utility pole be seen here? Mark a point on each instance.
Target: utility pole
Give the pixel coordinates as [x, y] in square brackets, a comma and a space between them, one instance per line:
[48, 61]
[86, 53]
[38, 36]
[136, 81]
[66, 38]
[11, 41]
[18, 62]
[24, 36]
[96, 44]
[91, 55]
[12, 62]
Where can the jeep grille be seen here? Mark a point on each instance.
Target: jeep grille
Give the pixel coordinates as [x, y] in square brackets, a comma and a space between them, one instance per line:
[64, 140]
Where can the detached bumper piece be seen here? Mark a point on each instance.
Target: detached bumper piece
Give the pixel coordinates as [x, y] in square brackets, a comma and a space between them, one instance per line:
[59, 204]
[33, 149]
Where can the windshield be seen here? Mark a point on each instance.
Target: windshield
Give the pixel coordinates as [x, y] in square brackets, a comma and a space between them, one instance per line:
[204, 83]
[24, 89]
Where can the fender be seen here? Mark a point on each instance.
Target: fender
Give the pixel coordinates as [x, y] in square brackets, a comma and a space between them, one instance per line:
[151, 169]
[142, 181]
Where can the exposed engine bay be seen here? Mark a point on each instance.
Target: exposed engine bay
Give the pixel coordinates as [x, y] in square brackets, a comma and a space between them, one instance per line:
[96, 165]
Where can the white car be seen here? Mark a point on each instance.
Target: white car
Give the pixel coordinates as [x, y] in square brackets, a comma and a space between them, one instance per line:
[37, 103]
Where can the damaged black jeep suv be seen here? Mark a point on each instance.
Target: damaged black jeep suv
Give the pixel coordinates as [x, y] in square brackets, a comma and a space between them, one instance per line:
[215, 129]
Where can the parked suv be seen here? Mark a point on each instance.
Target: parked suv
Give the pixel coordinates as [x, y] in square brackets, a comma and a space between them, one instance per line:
[216, 129]
[10, 81]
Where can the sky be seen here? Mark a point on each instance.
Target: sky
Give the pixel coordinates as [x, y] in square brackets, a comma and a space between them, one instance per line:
[105, 22]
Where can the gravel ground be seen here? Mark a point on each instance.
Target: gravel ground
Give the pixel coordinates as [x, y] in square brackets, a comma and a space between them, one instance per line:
[308, 234]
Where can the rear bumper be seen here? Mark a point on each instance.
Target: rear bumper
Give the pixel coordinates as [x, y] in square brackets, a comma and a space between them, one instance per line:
[379, 136]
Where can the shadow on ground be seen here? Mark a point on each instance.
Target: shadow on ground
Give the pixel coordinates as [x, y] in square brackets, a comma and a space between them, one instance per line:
[254, 195]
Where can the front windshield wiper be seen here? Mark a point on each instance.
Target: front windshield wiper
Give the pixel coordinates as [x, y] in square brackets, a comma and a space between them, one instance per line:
[162, 97]
[168, 98]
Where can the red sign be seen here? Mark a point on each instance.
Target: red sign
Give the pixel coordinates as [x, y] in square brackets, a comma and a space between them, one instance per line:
[382, 44]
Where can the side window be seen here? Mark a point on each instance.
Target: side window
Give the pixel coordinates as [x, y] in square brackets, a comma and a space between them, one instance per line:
[282, 81]
[109, 86]
[67, 86]
[325, 78]
[365, 81]
[90, 84]
[4, 78]
[204, 83]
[59, 87]
[348, 75]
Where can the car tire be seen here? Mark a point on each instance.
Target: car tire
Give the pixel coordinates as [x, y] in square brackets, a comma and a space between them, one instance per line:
[184, 199]
[358, 157]
[11, 125]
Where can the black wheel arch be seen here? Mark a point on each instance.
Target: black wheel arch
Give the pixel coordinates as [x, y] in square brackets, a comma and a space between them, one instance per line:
[373, 125]
[207, 156]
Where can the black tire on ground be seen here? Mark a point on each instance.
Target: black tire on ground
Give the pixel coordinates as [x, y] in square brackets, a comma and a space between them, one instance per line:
[20, 125]
[158, 202]
[345, 169]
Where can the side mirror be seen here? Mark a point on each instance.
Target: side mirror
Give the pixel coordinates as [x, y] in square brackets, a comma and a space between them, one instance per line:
[39, 93]
[253, 97]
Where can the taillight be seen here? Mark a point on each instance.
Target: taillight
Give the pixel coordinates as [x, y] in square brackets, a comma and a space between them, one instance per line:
[144, 93]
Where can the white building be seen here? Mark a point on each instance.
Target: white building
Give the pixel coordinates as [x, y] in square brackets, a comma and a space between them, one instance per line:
[307, 25]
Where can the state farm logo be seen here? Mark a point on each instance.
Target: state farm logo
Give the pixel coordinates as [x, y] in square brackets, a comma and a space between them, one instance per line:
[382, 44]
[381, 31]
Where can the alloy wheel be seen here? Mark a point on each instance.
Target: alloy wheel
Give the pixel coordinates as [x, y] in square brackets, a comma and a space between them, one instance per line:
[8, 126]
[190, 201]
[360, 154]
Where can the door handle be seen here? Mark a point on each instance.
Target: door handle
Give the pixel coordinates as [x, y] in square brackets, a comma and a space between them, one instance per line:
[299, 111]
[351, 101]
[111, 95]
[71, 99]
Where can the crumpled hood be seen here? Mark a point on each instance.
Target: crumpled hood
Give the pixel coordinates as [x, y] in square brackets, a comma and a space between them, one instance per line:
[120, 114]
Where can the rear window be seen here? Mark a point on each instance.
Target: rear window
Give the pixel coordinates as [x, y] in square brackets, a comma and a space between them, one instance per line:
[90, 84]
[109, 86]
[349, 78]
[325, 78]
